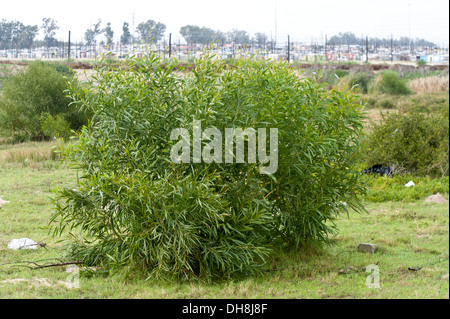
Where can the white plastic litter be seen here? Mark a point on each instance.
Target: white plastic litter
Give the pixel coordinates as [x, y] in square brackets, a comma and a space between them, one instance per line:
[409, 184]
[22, 243]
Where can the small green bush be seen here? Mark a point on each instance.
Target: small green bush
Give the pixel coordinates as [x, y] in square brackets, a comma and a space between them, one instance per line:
[417, 141]
[38, 90]
[55, 126]
[136, 209]
[61, 68]
[331, 77]
[421, 62]
[387, 104]
[371, 102]
[429, 103]
[341, 73]
[390, 83]
[361, 80]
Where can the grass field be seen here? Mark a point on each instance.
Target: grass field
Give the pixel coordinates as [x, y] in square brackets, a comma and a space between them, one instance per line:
[411, 234]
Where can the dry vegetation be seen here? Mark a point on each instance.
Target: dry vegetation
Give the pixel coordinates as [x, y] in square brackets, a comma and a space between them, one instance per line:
[430, 84]
[28, 153]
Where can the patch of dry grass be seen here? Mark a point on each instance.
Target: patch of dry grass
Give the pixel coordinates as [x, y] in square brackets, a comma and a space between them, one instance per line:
[430, 84]
[29, 152]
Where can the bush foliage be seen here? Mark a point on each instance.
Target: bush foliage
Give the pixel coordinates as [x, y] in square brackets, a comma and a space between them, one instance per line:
[391, 83]
[416, 141]
[361, 80]
[137, 209]
[32, 93]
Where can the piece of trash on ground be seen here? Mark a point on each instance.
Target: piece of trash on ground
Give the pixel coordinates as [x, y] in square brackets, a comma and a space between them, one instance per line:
[380, 170]
[22, 243]
[409, 184]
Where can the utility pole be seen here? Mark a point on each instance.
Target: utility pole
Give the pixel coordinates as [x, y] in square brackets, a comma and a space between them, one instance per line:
[68, 48]
[392, 54]
[367, 49]
[170, 44]
[288, 49]
[409, 25]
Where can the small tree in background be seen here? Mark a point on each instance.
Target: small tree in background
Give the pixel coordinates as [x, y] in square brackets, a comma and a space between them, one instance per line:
[49, 26]
[109, 34]
[90, 35]
[125, 38]
[151, 31]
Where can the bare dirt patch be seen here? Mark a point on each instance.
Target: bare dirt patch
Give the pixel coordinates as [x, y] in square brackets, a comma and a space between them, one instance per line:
[436, 198]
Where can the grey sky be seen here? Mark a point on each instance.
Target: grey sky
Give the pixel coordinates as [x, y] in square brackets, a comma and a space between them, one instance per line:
[302, 20]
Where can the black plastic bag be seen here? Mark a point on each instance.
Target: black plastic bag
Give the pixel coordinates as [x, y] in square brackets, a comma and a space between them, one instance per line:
[379, 169]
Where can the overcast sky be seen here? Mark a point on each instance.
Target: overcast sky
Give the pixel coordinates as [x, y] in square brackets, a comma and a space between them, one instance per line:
[303, 20]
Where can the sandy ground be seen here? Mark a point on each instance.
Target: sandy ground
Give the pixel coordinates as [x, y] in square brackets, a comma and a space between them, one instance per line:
[436, 198]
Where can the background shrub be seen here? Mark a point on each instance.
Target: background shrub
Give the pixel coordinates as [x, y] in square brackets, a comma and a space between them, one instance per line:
[330, 77]
[361, 80]
[137, 209]
[31, 93]
[417, 141]
[386, 104]
[390, 83]
[55, 126]
[421, 62]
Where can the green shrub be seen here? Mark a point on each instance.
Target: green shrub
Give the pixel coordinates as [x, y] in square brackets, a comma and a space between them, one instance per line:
[55, 126]
[28, 95]
[429, 103]
[61, 68]
[371, 102]
[417, 141]
[341, 73]
[421, 62]
[331, 77]
[387, 104]
[361, 80]
[390, 83]
[138, 210]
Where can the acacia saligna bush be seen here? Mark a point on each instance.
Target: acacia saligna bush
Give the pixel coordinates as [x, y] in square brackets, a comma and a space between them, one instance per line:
[137, 208]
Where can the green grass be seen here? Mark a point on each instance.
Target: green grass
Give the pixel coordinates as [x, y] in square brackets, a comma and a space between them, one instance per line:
[384, 188]
[409, 234]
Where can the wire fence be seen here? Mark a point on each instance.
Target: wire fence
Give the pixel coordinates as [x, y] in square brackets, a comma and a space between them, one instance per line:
[291, 51]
